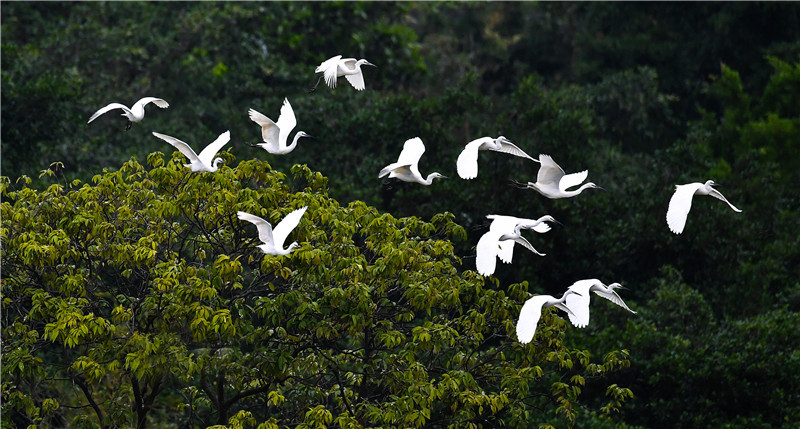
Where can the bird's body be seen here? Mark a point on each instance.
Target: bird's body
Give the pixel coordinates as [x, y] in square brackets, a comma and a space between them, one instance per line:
[273, 238]
[134, 113]
[205, 161]
[406, 168]
[499, 241]
[276, 134]
[350, 68]
[578, 303]
[552, 182]
[467, 162]
[531, 312]
[681, 203]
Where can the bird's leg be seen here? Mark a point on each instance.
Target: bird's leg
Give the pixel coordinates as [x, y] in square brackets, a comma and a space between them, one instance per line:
[315, 86]
[519, 184]
[128, 125]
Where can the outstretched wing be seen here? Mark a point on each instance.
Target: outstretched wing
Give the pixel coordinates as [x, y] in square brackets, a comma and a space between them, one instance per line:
[180, 145]
[264, 227]
[578, 304]
[529, 317]
[467, 162]
[157, 101]
[679, 206]
[330, 69]
[111, 106]
[716, 194]
[286, 226]
[207, 155]
[510, 148]
[412, 152]
[613, 297]
[569, 180]
[486, 253]
[270, 132]
[286, 122]
[526, 244]
[549, 171]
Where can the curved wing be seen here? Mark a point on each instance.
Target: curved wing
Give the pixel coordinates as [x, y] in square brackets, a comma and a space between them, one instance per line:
[549, 171]
[510, 148]
[270, 132]
[679, 206]
[486, 253]
[264, 227]
[286, 226]
[111, 106]
[578, 303]
[286, 122]
[157, 101]
[180, 145]
[412, 152]
[614, 297]
[529, 317]
[505, 250]
[330, 68]
[569, 180]
[207, 155]
[716, 194]
[356, 80]
[526, 244]
[467, 162]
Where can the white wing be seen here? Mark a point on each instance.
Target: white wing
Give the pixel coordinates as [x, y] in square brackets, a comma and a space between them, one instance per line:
[569, 180]
[180, 145]
[157, 101]
[529, 317]
[579, 304]
[330, 68]
[207, 155]
[356, 80]
[286, 122]
[286, 226]
[264, 227]
[526, 244]
[486, 253]
[467, 162]
[511, 148]
[716, 194]
[412, 152]
[613, 297]
[679, 206]
[270, 132]
[549, 171]
[111, 106]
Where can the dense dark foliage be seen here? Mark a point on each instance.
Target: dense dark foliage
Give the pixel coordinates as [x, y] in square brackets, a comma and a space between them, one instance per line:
[643, 95]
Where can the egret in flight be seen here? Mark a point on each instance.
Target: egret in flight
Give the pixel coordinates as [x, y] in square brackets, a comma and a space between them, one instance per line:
[276, 134]
[531, 312]
[553, 183]
[406, 168]
[578, 303]
[681, 203]
[499, 241]
[205, 161]
[273, 238]
[337, 66]
[467, 163]
[135, 113]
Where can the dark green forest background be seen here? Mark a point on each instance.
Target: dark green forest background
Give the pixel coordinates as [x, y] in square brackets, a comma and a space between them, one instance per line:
[643, 95]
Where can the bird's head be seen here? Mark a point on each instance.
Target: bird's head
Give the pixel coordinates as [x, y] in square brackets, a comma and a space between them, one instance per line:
[548, 218]
[593, 186]
[503, 139]
[436, 175]
[304, 134]
[365, 63]
[710, 183]
[217, 161]
[613, 286]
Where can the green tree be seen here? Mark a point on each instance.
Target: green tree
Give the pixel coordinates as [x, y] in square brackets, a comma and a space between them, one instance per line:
[141, 297]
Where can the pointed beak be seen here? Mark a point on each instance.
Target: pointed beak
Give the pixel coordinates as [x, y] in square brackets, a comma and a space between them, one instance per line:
[555, 221]
[370, 64]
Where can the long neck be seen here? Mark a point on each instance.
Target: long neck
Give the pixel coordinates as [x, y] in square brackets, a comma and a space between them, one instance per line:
[428, 180]
[294, 142]
[579, 190]
[215, 164]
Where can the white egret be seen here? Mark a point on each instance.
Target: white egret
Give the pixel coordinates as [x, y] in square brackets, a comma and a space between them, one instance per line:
[499, 241]
[276, 134]
[135, 113]
[467, 162]
[578, 303]
[205, 161]
[681, 203]
[337, 66]
[552, 182]
[273, 238]
[406, 168]
[531, 312]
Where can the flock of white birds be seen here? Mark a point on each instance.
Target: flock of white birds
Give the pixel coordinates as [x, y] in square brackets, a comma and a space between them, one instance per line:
[504, 231]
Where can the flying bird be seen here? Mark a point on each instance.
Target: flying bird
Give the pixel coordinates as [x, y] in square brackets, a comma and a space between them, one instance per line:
[273, 238]
[681, 203]
[276, 134]
[406, 168]
[552, 182]
[337, 66]
[205, 161]
[467, 163]
[135, 113]
[499, 241]
[578, 303]
[531, 312]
